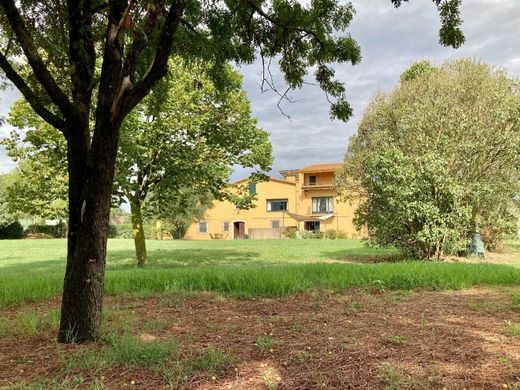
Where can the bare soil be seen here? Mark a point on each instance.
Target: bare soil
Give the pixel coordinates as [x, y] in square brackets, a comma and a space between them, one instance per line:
[322, 340]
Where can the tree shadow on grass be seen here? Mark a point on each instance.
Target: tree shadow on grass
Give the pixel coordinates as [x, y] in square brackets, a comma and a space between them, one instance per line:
[172, 258]
[367, 255]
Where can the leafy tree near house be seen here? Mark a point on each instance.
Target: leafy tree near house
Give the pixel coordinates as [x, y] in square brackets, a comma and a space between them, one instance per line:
[183, 141]
[178, 137]
[180, 208]
[83, 66]
[438, 158]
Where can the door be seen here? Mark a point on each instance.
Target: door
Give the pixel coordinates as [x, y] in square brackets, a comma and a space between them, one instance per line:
[312, 226]
[239, 230]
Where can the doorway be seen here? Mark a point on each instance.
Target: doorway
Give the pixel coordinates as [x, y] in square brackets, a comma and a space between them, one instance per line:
[313, 226]
[239, 230]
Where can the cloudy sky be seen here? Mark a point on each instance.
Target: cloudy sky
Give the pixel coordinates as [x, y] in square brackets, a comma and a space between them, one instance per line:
[390, 40]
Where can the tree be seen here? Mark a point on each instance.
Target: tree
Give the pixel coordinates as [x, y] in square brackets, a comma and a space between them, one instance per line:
[183, 141]
[5, 214]
[181, 209]
[179, 141]
[58, 55]
[437, 158]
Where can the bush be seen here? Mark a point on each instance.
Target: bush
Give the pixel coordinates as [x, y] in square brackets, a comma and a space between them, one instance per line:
[124, 230]
[331, 234]
[342, 235]
[11, 231]
[47, 231]
[290, 232]
[310, 235]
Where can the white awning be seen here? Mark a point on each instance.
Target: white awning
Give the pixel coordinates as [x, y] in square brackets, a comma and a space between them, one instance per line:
[301, 218]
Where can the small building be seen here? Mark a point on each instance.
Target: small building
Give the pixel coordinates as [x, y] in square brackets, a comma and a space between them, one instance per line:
[304, 200]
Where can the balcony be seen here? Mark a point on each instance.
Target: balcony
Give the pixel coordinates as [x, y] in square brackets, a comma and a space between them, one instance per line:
[318, 186]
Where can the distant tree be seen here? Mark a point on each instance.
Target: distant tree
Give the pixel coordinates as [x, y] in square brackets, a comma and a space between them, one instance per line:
[184, 141]
[438, 158]
[181, 208]
[5, 214]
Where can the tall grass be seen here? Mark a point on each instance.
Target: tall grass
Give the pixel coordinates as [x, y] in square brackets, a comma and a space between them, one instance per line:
[249, 281]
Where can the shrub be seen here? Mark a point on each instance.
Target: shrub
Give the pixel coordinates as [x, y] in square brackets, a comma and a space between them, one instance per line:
[342, 235]
[11, 231]
[331, 234]
[53, 231]
[124, 230]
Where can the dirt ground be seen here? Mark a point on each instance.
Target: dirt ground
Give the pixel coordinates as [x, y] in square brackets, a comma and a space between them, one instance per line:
[322, 340]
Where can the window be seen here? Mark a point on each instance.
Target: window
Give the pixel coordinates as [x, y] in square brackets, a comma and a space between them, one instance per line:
[275, 223]
[312, 180]
[226, 226]
[323, 204]
[203, 226]
[276, 204]
[252, 188]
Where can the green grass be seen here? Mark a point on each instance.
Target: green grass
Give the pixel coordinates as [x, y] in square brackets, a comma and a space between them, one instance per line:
[396, 340]
[265, 343]
[32, 270]
[512, 329]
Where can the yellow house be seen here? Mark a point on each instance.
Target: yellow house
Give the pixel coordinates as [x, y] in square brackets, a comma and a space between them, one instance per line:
[304, 200]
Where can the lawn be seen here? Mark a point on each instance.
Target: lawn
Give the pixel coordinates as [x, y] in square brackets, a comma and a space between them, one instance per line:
[306, 314]
[32, 270]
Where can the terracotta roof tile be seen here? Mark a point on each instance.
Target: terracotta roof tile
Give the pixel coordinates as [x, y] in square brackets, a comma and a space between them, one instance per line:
[328, 167]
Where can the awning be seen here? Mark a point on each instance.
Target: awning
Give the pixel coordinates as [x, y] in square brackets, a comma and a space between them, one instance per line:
[300, 217]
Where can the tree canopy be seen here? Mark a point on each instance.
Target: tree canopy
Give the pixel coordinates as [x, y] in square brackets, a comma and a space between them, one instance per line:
[438, 158]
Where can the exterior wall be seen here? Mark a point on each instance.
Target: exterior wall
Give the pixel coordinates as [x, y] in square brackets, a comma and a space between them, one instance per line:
[299, 194]
[258, 217]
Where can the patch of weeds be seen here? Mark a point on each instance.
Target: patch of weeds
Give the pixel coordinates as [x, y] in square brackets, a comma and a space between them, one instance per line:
[177, 299]
[348, 343]
[271, 379]
[265, 343]
[81, 360]
[155, 325]
[214, 326]
[393, 378]
[512, 329]
[489, 307]
[515, 302]
[400, 294]
[377, 286]
[297, 327]
[29, 323]
[354, 306]
[130, 306]
[5, 327]
[130, 351]
[180, 368]
[67, 383]
[212, 361]
[303, 357]
[396, 340]
[119, 321]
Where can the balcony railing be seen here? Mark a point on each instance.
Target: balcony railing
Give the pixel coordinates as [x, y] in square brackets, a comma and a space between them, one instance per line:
[318, 186]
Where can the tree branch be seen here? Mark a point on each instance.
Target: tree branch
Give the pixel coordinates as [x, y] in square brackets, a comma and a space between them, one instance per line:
[31, 97]
[159, 65]
[82, 56]
[31, 53]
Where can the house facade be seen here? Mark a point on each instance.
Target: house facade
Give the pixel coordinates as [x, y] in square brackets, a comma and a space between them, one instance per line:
[304, 200]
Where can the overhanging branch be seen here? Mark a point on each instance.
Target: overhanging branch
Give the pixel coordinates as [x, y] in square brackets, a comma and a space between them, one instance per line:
[35, 61]
[31, 97]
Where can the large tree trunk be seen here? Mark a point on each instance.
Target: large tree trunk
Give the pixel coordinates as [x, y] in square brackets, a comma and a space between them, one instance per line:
[138, 233]
[91, 175]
